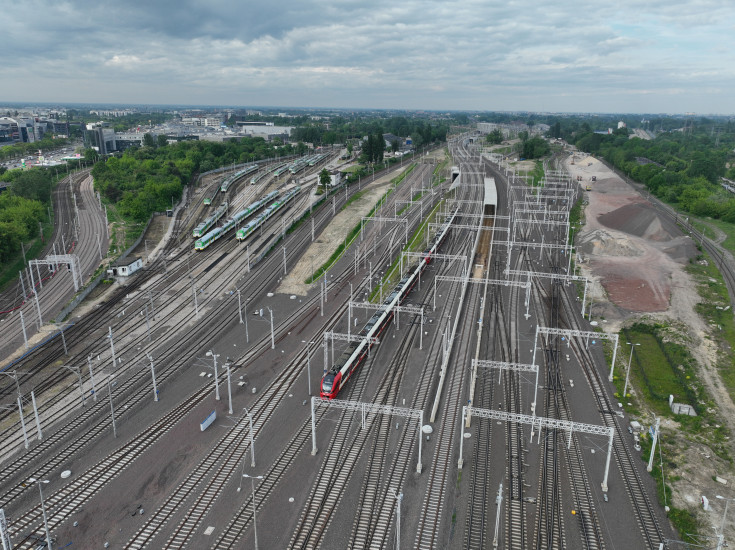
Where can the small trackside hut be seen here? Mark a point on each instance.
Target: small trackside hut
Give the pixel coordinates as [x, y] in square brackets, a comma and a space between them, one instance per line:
[124, 267]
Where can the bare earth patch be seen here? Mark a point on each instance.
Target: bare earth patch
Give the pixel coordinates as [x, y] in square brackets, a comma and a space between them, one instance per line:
[636, 261]
[333, 235]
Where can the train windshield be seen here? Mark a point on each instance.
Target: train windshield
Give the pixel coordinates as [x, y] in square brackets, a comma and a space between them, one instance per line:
[327, 383]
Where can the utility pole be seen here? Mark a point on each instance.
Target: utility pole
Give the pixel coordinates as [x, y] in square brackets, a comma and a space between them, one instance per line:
[399, 498]
[627, 372]
[498, 502]
[153, 375]
[91, 377]
[147, 323]
[112, 409]
[653, 445]
[273, 341]
[35, 413]
[194, 293]
[23, 326]
[214, 356]
[229, 384]
[23, 285]
[112, 349]
[38, 309]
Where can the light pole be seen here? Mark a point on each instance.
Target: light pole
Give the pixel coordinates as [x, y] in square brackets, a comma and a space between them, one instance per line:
[252, 442]
[229, 384]
[627, 372]
[43, 509]
[252, 486]
[724, 514]
[308, 364]
[399, 497]
[273, 342]
[211, 354]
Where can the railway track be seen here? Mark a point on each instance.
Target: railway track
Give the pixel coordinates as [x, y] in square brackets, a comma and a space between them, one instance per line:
[184, 530]
[432, 509]
[79, 443]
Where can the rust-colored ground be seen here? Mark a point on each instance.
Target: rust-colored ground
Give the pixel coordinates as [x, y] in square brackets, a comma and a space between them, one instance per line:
[631, 251]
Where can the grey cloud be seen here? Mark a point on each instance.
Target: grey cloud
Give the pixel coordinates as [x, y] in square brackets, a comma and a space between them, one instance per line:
[433, 54]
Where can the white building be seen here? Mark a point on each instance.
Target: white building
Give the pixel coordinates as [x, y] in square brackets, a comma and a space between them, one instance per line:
[125, 267]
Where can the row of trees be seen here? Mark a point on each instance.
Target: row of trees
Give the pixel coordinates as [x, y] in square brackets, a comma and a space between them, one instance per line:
[683, 168]
[146, 179]
[373, 148]
[22, 207]
[341, 130]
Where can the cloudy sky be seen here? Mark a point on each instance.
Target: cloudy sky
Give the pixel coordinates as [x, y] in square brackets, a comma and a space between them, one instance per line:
[648, 56]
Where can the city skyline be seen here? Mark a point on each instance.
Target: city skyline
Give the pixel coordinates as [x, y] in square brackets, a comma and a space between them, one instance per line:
[664, 57]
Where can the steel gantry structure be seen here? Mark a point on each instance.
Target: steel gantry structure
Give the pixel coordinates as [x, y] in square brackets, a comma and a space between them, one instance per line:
[542, 422]
[344, 338]
[364, 409]
[54, 260]
[416, 310]
[581, 334]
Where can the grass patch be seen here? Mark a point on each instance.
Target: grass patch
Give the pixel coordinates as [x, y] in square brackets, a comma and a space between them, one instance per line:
[351, 236]
[537, 174]
[684, 521]
[357, 196]
[715, 310]
[657, 369]
[355, 231]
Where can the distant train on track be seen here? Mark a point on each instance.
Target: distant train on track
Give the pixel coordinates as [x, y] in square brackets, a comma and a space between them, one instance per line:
[347, 363]
[244, 232]
[239, 217]
[202, 228]
[225, 185]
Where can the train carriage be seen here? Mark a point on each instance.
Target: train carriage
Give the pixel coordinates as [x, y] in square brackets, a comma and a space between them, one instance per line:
[350, 359]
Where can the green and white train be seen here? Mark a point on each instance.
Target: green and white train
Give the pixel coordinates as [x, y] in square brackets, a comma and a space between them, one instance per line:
[225, 185]
[242, 215]
[200, 229]
[245, 231]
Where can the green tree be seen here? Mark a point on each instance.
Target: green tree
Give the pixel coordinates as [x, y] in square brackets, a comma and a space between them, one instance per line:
[162, 140]
[394, 146]
[91, 156]
[33, 184]
[324, 180]
[495, 137]
[378, 148]
[148, 140]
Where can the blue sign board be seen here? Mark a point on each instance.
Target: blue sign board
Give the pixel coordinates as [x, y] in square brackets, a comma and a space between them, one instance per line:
[208, 421]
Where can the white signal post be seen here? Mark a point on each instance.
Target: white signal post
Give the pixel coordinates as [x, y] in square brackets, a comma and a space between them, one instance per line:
[653, 446]
[627, 371]
[43, 508]
[252, 485]
[214, 356]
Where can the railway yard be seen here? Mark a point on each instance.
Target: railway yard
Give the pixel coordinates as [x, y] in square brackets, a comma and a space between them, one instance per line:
[437, 386]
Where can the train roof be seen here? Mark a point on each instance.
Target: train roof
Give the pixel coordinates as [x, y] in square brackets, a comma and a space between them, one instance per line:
[491, 192]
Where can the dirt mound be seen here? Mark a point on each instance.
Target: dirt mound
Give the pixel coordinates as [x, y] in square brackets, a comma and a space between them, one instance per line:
[601, 243]
[637, 219]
